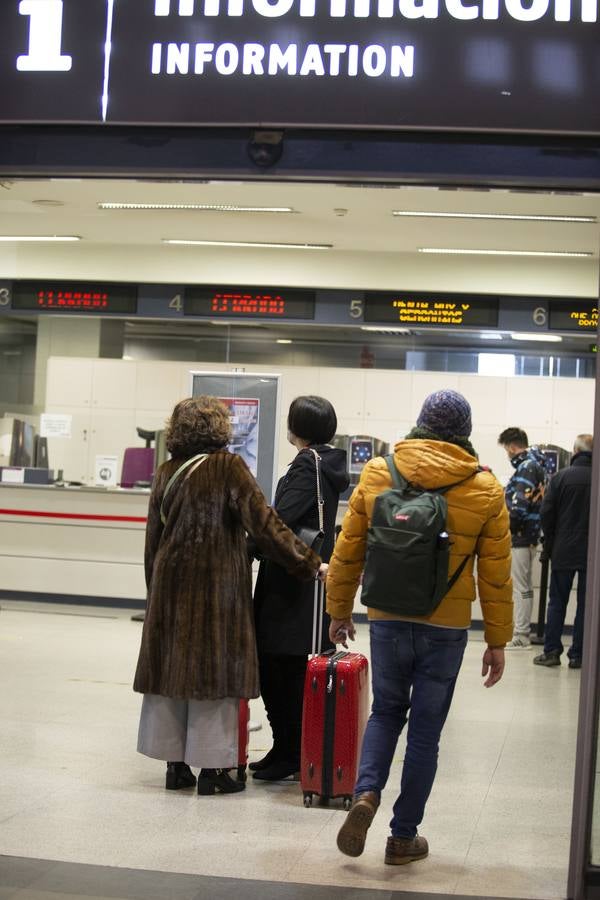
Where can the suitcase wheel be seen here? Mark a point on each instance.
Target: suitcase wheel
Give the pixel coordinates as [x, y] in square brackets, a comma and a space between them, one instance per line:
[241, 773]
[308, 797]
[347, 803]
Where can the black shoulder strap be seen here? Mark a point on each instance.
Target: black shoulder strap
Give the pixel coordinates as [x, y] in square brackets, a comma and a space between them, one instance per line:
[458, 572]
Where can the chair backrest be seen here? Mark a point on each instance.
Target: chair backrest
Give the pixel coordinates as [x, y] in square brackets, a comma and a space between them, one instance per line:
[138, 465]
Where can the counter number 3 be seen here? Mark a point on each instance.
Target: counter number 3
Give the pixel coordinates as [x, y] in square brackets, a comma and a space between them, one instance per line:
[45, 37]
[4, 296]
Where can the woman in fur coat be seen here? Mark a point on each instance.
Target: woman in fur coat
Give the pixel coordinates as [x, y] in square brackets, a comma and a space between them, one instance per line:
[198, 651]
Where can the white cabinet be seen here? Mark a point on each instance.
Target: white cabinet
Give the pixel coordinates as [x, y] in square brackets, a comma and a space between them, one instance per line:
[113, 384]
[69, 383]
[71, 454]
[158, 385]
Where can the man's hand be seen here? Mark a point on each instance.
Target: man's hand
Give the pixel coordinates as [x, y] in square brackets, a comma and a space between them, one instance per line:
[493, 663]
[322, 573]
[340, 630]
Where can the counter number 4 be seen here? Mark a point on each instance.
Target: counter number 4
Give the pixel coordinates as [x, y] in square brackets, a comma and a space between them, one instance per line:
[176, 303]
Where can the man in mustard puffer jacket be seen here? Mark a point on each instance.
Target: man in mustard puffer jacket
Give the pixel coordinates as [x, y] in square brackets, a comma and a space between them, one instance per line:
[415, 661]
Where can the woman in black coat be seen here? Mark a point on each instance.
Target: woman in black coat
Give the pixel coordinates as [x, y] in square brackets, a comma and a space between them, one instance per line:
[284, 606]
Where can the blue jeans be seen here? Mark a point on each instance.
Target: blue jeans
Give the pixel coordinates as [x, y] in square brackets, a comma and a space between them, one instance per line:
[414, 667]
[561, 582]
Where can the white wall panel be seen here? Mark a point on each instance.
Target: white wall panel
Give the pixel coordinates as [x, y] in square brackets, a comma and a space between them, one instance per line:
[345, 388]
[69, 382]
[487, 396]
[529, 403]
[158, 385]
[113, 384]
[573, 405]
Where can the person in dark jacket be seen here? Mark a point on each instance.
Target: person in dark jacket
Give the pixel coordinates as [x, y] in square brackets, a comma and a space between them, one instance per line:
[284, 606]
[565, 521]
[523, 493]
[198, 650]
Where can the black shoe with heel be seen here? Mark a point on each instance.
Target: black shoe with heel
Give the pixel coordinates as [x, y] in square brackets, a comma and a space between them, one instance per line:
[211, 781]
[179, 775]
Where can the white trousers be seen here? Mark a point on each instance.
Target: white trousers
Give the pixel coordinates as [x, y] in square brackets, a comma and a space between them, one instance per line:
[521, 571]
[202, 733]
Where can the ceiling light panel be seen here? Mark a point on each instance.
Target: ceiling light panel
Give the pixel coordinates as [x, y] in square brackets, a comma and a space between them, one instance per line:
[458, 251]
[33, 238]
[200, 207]
[540, 338]
[254, 244]
[583, 220]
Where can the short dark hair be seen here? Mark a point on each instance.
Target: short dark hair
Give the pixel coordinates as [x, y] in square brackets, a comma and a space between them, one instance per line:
[312, 419]
[198, 425]
[514, 436]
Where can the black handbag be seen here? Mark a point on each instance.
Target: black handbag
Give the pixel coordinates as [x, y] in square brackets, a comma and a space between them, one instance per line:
[314, 537]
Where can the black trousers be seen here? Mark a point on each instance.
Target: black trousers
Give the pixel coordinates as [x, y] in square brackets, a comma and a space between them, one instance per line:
[282, 689]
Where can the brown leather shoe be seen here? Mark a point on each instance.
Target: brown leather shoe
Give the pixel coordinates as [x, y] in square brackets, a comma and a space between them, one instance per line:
[400, 851]
[353, 833]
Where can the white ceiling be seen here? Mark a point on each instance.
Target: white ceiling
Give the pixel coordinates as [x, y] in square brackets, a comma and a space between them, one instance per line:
[371, 248]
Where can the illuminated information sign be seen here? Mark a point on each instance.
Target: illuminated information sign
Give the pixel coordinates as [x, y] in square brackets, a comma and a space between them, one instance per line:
[250, 303]
[431, 310]
[67, 297]
[499, 65]
[573, 316]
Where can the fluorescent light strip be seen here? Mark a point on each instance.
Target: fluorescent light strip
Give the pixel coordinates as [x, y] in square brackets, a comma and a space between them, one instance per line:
[378, 329]
[18, 238]
[592, 220]
[261, 244]
[284, 341]
[204, 207]
[541, 338]
[461, 252]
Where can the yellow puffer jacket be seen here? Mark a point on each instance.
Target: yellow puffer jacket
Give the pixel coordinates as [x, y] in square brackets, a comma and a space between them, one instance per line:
[477, 523]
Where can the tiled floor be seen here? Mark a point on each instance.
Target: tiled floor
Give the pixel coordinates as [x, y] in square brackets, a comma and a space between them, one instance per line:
[74, 789]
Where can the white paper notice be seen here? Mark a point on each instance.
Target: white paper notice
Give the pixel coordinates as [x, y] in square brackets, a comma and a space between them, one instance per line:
[105, 471]
[13, 476]
[55, 426]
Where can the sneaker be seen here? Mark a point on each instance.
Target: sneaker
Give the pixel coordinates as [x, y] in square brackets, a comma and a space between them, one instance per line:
[353, 833]
[400, 851]
[519, 642]
[575, 663]
[547, 659]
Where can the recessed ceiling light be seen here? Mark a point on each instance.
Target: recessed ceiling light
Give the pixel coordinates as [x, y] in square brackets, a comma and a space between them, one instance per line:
[261, 244]
[47, 203]
[202, 207]
[490, 336]
[464, 252]
[14, 238]
[499, 216]
[284, 341]
[542, 338]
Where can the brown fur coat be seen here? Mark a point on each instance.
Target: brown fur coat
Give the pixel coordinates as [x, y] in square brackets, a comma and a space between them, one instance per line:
[198, 640]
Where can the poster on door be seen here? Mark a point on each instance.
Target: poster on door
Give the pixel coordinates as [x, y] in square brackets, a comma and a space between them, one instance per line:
[244, 413]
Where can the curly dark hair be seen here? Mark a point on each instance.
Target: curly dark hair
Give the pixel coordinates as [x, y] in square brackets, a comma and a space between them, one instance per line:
[198, 425]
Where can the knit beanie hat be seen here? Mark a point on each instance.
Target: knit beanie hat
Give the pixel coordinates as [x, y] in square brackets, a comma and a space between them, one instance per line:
[447, 414]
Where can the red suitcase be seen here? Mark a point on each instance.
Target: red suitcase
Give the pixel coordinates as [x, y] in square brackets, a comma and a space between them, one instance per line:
[336, 709]
[243, 739]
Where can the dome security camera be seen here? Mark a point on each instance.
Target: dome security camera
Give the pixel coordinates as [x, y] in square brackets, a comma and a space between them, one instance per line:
[265, 148]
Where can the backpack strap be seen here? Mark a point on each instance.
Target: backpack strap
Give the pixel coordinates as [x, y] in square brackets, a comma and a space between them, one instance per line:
[199, 458]
[398, 480]
[458, 572]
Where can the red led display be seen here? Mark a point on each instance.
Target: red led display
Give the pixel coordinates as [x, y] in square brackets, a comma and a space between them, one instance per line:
[70, 297]
[249, 303]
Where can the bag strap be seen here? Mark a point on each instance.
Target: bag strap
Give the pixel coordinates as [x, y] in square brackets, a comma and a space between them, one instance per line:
[320, 501]
[398, 480]
[199, 458]
[458, 572]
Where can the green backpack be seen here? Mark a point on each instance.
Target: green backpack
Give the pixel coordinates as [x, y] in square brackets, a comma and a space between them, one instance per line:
[408, 549]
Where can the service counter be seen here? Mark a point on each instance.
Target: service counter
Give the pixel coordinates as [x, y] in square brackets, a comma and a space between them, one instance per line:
[73, 541]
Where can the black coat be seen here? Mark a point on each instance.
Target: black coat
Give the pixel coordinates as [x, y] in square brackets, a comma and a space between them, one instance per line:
[566, 513]
[283, 604]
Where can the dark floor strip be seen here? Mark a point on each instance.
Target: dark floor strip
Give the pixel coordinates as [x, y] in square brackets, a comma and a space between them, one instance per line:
[20, 876]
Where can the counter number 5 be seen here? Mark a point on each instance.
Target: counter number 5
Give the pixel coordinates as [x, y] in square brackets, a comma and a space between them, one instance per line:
[357, 308]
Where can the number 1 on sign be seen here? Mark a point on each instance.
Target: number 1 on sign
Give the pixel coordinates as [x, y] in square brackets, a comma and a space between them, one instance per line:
[45, 36]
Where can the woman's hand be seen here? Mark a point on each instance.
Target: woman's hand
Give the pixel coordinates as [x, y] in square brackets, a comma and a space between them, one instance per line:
[322, 573]
[340, 630]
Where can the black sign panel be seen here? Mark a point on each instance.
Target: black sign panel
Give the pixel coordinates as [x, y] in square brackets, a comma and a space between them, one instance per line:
[68, 297]
[52, 60]
[249, 303]
[577, 315]
[426, 310]
[499, 65]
